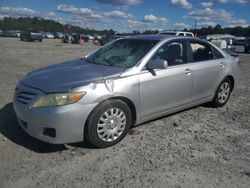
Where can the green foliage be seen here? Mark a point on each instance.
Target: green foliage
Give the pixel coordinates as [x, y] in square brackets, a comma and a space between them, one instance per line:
[150, 32]
[41, 24]
[237, 31]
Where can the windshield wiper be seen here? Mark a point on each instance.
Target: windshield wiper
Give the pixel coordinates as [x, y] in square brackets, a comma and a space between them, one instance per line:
[107, 62]
[89, 60]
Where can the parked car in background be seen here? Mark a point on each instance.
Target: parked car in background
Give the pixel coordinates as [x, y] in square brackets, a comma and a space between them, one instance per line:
[247, 45]
[7, 33]
[67, 38]
[84, 38]
[181, 33]
[90, 37]
[18, 34]
[1, 33]
[58, 35]
[50, 35]
[42, 33]
[108, 38]
[239, 41]
[219, 37]
[75, 38]
[124, 83]
[31, 35]
[98, 37]
[11, 33]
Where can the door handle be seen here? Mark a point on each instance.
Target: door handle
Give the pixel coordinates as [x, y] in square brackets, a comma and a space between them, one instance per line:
[222, 64]
[187, 72]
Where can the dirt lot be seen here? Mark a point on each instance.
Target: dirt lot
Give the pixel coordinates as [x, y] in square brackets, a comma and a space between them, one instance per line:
[199, 147]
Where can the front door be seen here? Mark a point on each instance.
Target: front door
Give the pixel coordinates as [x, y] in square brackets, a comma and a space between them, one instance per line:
[166, 89]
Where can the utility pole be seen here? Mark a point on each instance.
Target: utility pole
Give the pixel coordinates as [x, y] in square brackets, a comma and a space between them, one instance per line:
[195, 27]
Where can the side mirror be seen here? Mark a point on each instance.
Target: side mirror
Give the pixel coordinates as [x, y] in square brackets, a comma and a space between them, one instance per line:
[157, 64]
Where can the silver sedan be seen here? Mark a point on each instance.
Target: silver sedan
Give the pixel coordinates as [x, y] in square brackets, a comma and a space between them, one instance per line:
[125, 83]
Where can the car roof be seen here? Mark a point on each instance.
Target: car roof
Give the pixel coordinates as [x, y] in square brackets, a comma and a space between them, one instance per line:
[153, 37]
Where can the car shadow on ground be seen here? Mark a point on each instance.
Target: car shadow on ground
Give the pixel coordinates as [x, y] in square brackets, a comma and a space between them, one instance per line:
[10, 128]
[84, 145]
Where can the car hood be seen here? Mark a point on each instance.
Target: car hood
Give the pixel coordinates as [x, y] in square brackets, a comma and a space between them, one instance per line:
[65, 76]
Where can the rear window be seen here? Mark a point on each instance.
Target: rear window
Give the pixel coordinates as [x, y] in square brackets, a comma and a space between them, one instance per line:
[189, 35]
[201, 51]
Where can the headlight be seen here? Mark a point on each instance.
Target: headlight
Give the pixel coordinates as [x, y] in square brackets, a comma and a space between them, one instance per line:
[58, 99]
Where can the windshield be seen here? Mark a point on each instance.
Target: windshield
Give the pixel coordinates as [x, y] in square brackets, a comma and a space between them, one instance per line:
[122, 53]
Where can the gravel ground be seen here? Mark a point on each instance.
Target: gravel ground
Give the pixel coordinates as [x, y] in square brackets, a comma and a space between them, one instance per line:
[199, 147]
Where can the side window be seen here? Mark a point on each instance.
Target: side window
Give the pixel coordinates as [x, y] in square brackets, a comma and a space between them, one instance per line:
[201, 51]
[173, 52]
[189, 35]
[181, 34]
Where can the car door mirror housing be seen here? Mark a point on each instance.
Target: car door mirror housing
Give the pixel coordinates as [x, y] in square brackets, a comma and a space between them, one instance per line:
[157, 64]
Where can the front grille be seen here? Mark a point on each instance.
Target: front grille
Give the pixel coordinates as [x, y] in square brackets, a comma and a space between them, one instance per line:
[51, 132]
[25, 97]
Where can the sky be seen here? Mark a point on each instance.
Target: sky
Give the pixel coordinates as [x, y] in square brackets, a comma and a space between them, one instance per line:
[130, 15]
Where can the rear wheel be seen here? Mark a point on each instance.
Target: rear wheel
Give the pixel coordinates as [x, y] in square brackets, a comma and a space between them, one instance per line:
[222, 93]
[108, 123]
[247, 50]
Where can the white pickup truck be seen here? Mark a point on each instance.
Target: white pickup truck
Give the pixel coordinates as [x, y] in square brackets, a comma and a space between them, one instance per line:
[181, 33]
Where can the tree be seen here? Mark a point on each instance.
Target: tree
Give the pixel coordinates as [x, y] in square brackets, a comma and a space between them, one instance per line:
[217, 29]
[40, 24]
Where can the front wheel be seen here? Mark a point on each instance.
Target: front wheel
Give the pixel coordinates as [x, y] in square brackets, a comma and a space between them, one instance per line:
[222, 93]
[108, 123]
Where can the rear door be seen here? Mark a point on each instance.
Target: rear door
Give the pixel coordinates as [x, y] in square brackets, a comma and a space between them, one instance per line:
[208, 68]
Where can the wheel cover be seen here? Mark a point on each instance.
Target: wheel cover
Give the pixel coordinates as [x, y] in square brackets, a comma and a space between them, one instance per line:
[111, 124]
[224, 92]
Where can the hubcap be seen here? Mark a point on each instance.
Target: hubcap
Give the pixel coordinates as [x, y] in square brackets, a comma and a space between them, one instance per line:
[111, 124]
[224, 92]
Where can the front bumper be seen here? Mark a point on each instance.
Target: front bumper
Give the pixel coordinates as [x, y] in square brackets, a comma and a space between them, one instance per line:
[56, 125]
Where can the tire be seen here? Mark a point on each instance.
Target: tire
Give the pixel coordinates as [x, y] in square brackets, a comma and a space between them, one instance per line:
[104, 129]
[247, 50]
[222, 94]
